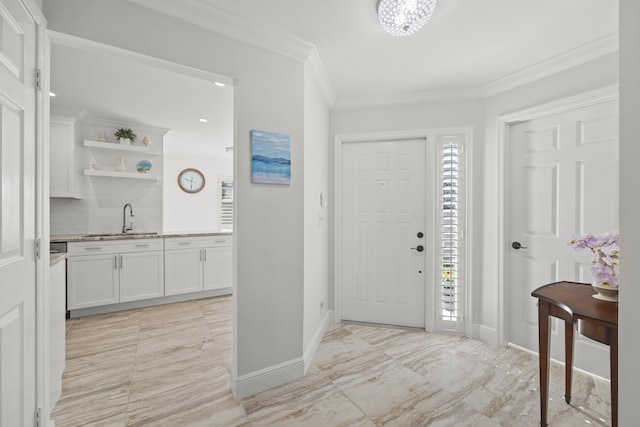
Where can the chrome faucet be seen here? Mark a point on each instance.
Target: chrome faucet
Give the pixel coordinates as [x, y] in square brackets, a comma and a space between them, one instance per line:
[124, 218]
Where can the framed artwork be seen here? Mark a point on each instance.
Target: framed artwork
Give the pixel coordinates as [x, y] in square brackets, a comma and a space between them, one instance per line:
[270, 157]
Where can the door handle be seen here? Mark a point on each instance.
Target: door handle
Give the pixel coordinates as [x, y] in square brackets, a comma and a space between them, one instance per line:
[419, 248]
[517, 245]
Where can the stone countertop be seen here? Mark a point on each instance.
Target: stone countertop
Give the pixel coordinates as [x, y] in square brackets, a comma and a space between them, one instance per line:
[55, 258]
[61, 238]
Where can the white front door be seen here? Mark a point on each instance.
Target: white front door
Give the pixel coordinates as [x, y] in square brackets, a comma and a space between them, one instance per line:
[17, 215]
[383, 210]
[564, 180]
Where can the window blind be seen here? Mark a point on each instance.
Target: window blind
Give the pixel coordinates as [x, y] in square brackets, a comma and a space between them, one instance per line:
[226, 203]
[451, 222]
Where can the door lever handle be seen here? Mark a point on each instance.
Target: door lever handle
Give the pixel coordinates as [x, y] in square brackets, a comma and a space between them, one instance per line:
[517, 245]
[420, 248]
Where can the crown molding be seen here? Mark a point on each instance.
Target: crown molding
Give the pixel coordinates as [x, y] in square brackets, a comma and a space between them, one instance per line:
[415, 98]
[320, 78]
[580, 55]
[223, 21]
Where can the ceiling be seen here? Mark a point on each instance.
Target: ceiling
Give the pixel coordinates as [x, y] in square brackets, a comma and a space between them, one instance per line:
[469, 48]
[466, 44]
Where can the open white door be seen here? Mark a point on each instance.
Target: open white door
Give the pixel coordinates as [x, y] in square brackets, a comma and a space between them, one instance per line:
[17, 214]
[564, 180]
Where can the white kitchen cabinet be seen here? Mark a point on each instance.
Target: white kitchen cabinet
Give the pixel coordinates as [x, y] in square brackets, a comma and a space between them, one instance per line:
[109, 272]
[92, 280]
[63, 182]
[141, 275]
[194, 264]
[217, 267]
[183, 271]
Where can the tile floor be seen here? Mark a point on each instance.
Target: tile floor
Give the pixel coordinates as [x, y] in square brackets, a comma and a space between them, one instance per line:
[169, 366]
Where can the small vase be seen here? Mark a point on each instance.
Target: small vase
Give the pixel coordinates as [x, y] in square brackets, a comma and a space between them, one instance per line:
[124, 141]
[605, 293]
[120, 166]
[146, 141]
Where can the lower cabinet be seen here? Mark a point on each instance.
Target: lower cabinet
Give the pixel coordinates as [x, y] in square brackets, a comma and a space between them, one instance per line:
[118, 271]
[109, 272]
[194, 264]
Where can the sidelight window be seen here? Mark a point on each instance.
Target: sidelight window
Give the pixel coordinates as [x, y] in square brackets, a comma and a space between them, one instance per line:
[449, 293]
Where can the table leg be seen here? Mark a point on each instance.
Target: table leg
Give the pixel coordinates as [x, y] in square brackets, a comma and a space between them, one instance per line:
[614, 377]
[544, 327]
[568, 359]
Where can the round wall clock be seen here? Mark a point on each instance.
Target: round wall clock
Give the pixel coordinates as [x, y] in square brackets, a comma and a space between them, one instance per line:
[191, 180]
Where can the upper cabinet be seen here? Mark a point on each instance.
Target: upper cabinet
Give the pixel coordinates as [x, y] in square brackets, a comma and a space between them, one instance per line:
[62, 154]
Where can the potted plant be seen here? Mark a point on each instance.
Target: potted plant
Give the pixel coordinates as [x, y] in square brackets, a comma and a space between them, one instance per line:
[125, 136]
[605, 262]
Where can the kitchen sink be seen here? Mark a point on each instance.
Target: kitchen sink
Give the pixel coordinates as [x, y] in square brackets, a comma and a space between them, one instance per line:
[120, 234]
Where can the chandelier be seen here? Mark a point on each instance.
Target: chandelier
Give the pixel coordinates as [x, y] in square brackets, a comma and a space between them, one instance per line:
[404, 17]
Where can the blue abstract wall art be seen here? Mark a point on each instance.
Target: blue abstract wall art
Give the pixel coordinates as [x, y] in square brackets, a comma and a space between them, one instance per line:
[270, 157]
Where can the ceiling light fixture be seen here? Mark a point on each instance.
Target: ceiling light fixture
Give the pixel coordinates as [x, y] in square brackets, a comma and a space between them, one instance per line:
[51, 94]
[201, 120]
[220, 84]
[404, 17]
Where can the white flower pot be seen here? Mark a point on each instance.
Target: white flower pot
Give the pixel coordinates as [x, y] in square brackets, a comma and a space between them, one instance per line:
[605, 293]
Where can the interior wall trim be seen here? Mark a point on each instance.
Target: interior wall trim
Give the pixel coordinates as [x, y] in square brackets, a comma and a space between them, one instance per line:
[311, 349]
[264, 379]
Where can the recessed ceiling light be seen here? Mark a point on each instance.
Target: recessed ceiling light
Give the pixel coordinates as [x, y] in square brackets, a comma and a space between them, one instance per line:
[52, 94]
[220, 84]
[201, 120]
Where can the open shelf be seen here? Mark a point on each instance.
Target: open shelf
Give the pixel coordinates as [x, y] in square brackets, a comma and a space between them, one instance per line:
[119, 147]
[116, 174]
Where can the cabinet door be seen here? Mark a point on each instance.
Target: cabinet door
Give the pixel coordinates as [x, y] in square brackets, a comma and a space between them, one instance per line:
[183, 271]
[217, 268]
[62, 165]
[141, 275]
[92, 280]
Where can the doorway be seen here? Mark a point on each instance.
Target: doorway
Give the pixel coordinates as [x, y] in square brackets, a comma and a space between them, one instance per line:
[400, 234]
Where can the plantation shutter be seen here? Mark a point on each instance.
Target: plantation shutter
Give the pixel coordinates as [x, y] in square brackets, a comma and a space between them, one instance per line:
[226, 204]
[452, 224]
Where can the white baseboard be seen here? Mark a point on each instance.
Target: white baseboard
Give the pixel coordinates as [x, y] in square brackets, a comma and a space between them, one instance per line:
[264, 379]
[485, 334]
[311, 349]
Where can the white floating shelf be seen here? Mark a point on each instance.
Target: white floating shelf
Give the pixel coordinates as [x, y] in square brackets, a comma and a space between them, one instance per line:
[116, 174]
[119, 147]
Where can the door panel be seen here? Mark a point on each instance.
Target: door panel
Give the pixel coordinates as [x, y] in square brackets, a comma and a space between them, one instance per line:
[17, 214]
[383, 280]
[564, 180]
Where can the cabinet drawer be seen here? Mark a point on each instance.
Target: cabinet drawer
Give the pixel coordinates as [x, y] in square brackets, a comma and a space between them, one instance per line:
[171, 243]
[113, 246]
[221, 241]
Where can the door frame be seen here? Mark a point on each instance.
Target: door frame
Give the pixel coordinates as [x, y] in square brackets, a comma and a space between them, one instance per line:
[42, 309]
[503, 124]
[427, 135]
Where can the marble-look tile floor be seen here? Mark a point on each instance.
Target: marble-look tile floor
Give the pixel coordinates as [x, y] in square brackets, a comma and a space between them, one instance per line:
[169, 366]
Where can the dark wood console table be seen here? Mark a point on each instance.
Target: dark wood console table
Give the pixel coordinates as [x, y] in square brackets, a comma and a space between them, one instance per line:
[571, 301]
